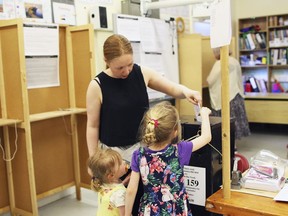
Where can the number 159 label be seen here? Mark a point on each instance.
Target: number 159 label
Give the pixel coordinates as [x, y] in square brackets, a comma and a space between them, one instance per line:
[195, 183]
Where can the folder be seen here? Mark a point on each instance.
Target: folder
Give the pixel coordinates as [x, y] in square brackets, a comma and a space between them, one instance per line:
[251, 42]
[253, 84]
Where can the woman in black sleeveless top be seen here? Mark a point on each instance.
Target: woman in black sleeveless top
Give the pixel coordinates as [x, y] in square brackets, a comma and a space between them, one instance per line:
[117, 99]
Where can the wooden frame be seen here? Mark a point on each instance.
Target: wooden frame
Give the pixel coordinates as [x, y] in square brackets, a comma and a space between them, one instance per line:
[45, 120]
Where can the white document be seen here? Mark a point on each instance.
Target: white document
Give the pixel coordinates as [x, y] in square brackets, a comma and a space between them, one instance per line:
[283, 194]
[42, 72]
[154, 60]
[64, 13]
[41, 43]
[129, 27]
[149, 40]
[220, 28]
[136, 52]
[7, 9]
[195, 183]
[41, 39]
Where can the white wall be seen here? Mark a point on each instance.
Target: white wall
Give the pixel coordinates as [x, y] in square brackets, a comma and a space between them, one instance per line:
[82, 18]
[239, 9]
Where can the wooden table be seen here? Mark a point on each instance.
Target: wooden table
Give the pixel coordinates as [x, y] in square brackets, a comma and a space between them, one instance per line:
[244, 204]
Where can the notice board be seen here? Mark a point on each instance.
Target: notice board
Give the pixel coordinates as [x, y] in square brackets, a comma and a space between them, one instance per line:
[154, 43]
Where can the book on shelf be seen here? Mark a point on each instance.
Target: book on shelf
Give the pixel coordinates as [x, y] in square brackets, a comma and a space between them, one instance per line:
[275, 56]
[254, 84]
[277, 87]
[251, 41]
[245, 43]
[261, 41]
[263, 85]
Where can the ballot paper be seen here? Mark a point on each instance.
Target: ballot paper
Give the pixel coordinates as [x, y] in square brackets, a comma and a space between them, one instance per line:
[256, 180]
[283, 194]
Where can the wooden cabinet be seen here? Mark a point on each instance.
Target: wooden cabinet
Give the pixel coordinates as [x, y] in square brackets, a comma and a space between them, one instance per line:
[263, 54]
[43, 122]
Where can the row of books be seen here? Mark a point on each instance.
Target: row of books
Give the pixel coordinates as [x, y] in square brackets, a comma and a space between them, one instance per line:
[252, 84]
[278, 33]
[279, 56]
[252, 41]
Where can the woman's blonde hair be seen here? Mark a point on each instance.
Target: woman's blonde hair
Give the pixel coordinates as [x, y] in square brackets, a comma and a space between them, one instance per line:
[115, 46]
[101, 164]
[158, 123]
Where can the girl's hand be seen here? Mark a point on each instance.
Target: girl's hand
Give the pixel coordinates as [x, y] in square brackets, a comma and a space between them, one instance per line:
[205, 111]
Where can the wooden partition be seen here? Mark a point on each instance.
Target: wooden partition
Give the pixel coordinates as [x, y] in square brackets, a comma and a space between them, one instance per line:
[196, 60]
[83, 60]
[4, 198]
[190, 67]
[43, 121]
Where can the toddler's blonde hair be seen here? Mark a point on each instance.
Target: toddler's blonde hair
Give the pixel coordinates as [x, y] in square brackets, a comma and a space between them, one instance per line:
[103, 163]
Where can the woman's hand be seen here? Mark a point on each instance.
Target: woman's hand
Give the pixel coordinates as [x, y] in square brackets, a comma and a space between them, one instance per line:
[192, 96]
[126, 180]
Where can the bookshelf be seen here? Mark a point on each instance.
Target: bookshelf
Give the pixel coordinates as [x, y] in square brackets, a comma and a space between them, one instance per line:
[263, 55]
[46, 121]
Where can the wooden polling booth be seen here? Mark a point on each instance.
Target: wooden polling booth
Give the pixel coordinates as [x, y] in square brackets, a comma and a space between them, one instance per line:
[196, 60]
[43, 122]
[4, 199]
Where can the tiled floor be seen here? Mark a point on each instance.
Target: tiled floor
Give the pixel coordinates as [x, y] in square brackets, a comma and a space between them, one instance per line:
[269, 137]
[69, 205]
[265, 136]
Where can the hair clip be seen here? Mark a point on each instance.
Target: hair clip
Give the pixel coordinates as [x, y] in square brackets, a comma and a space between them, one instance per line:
[154, 122]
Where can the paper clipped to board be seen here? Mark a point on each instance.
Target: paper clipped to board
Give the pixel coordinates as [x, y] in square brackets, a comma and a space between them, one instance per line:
[220, 26]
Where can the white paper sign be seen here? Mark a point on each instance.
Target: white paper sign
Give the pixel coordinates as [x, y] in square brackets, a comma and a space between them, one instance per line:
[64, 13]
[220, 28]
[41, 43]
[195, 183]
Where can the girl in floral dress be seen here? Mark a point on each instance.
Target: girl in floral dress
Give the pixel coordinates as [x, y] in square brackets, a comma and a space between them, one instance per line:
[159, 162]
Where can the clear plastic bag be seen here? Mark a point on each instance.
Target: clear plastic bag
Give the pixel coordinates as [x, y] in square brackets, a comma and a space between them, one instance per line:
[266, 172]
[267, 163]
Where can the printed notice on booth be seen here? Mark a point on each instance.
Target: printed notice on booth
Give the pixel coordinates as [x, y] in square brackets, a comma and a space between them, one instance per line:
[195, 183]
[41, 43]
